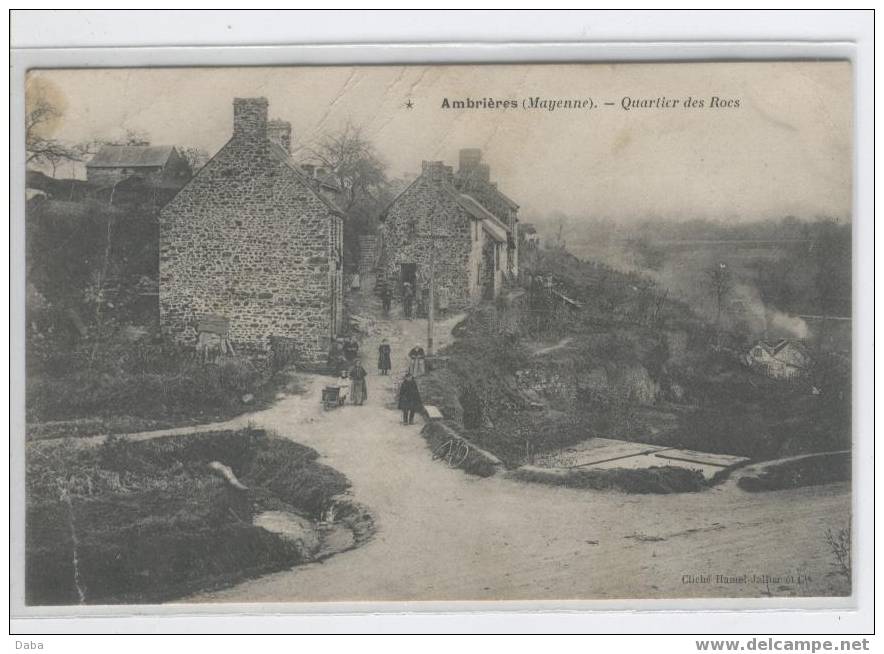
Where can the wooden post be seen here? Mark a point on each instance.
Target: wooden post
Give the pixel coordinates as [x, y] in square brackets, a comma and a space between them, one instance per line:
[431, 310]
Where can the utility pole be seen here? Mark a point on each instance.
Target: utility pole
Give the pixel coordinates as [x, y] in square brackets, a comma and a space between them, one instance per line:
[431, 310]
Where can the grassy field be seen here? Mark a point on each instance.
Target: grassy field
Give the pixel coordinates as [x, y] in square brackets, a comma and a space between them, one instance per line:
[117, 386]
[148, 521]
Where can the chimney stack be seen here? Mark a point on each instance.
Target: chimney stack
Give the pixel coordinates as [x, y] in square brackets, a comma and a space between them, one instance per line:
[469, 158]
[280, 132]
[437, 171]
[250, 118]
[471, 167]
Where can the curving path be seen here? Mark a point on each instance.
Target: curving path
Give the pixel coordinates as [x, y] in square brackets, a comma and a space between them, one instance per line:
[445, 535]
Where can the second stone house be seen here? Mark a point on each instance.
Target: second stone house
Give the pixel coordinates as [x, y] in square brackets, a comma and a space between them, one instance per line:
[158, 165]
[253, 243]
[432, 229]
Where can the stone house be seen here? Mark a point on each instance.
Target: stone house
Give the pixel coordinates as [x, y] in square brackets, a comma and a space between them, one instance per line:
[434, 227]
[785, 359]
[253, 240]
[473, 177]
[157, 165]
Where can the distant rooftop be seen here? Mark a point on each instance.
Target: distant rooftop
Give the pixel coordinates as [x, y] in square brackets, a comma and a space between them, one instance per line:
[131, 156]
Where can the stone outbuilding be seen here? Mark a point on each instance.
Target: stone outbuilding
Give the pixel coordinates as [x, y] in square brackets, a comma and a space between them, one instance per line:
[432, 227]
[255, 241]
[784, 359]
[157, 165]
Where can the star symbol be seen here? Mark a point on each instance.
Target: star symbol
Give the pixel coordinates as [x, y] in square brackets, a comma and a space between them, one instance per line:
[409, 104]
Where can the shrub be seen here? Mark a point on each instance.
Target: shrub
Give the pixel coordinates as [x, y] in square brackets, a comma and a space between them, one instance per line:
[149, 522]
[665, 479]
[808, 470]
[839, 546]
[149, 381]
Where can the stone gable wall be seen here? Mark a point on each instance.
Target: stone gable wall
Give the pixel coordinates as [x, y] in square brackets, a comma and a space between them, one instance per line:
[409, 220]
[248, 240]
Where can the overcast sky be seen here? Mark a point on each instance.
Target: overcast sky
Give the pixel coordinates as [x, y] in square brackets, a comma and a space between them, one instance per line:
[787, 150]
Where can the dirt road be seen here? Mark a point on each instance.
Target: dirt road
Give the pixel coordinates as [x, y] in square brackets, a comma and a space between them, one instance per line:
[445, 535]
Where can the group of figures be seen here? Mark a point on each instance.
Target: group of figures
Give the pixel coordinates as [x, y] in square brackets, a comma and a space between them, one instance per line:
[412, 304]
[409, 394]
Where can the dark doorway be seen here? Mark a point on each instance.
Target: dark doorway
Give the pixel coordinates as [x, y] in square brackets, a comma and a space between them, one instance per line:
[408, 273]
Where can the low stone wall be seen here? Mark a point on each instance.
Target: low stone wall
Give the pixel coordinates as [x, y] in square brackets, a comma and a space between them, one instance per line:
[478, 462]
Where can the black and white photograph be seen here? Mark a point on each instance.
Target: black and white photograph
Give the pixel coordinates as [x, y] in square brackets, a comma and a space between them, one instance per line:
[422, 333]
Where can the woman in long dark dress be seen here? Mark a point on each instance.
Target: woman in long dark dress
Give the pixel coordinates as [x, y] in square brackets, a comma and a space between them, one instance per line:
[384, 362]
[358, 387]
[409, 399]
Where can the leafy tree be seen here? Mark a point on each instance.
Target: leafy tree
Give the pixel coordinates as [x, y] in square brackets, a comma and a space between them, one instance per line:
[196, 157]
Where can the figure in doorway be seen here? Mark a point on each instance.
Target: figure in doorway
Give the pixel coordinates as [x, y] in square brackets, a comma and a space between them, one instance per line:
[407, 300]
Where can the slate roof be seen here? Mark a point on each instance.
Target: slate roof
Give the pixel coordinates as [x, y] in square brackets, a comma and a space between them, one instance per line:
[774, 348]
[506, 199]
[475, 209]
[494, 231]
[131, 156]
[492, 224]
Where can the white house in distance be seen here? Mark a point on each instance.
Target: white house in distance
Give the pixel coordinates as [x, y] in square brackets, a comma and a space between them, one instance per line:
[784, 359]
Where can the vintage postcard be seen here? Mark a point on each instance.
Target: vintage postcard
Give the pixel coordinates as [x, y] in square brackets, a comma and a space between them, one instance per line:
[432, 333]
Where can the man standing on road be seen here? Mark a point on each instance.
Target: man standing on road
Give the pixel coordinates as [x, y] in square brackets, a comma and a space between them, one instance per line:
[358, 387]
[385, 298]
[409, 399]
[384, 359]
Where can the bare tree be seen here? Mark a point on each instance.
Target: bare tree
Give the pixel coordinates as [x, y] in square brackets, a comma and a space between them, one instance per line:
[132, 137]
[39, 148]
[352, 159]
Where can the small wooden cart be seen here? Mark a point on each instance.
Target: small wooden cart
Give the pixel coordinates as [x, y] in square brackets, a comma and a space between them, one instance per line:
[334, 396]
